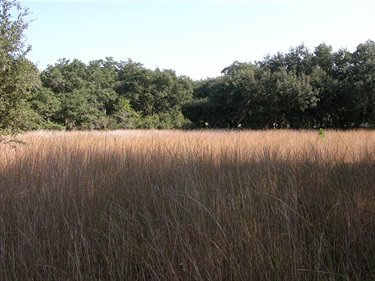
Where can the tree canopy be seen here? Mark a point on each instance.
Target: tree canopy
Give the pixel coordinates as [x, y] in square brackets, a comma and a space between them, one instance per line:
[303, 88]
[18, 76]
[299, 89]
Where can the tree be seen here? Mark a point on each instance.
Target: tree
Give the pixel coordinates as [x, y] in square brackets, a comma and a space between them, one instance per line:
[199, 110]
[155, 95]
[298, 60]
[125, 116]
[331, 77]
[65, 76]
[18, 76]
[363, 79]
[237, 95]
[292, 97]
[135, 84]
[46, 105]
[323, 58]
[86, 92]
[230, 101]
[78, 110]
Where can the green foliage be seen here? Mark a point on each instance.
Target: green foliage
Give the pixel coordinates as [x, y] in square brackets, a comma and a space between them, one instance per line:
[125, 116]
[79, 110]
[106, 94]
[64, 76]
[299, 89]
[18, 76]
[46, 107]
[199, 111]
[363, 79]
[321, 134]
[168, 120]
[152, 92]
[289, 96]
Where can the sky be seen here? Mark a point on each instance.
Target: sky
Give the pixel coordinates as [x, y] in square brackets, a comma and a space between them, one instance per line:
[194, 38]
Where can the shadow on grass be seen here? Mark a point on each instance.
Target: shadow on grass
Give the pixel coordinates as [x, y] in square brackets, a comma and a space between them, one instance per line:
[129, 216]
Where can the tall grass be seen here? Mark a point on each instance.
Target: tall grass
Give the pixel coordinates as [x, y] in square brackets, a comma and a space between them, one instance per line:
[174, 205]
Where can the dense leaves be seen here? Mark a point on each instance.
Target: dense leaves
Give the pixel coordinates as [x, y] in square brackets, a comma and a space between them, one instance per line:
[106, 94]
[300, 89]
[18, 76]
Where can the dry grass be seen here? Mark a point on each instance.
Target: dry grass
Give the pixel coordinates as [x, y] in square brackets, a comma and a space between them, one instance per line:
[174, 205]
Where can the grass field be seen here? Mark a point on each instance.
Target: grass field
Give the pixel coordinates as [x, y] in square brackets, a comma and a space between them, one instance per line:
[178, 205]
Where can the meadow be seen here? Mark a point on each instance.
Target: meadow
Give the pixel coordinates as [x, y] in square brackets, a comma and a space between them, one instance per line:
[188, 205]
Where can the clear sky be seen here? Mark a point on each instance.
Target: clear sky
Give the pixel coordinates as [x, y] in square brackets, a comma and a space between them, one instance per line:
[194, 38]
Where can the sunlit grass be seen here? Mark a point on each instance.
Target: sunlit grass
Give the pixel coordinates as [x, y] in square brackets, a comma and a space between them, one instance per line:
[177, 205]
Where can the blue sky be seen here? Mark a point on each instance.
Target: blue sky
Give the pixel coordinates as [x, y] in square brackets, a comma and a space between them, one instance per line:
[194, 38]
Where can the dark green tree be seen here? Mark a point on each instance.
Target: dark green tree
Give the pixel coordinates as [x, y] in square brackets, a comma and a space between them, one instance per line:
[291, 97]
[124, 115]
[18, 76]
[330, 77]
[363, 79]
[238, 95]
[323, 58]
[135, 84]
[47, 106]
[86, 92]
[298, 60]
[156, 95]
[273, 63]
[232, 100]
[78, 110]
[65, 76]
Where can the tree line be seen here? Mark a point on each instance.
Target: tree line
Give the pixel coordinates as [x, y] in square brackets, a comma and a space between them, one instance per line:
[321, 88]
[299, 89]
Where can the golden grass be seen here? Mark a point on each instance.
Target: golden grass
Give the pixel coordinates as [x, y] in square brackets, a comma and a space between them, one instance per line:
[178, 205]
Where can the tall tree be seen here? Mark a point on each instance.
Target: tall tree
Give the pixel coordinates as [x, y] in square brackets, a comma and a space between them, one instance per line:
[65, 76]
[232, 100]
[363, 79]
[18, 76]
[238, 95]
[153, 92]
